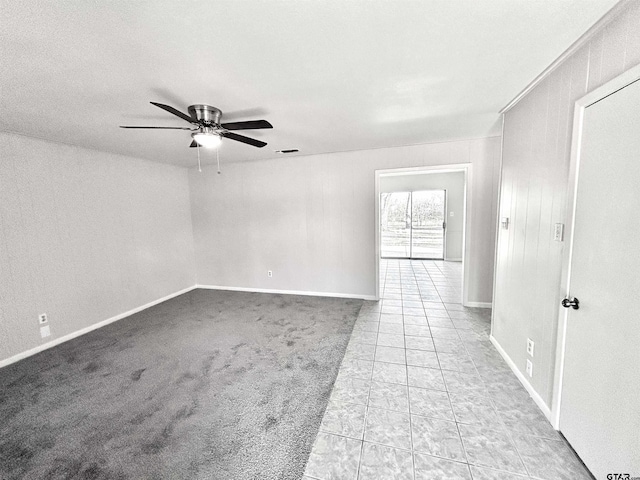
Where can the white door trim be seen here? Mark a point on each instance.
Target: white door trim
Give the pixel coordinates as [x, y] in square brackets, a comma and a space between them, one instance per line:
[445, 219]
[458, 167]
[497, 226]
[630, 76]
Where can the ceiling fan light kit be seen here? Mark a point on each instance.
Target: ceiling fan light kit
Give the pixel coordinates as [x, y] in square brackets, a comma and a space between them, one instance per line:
[207, 139]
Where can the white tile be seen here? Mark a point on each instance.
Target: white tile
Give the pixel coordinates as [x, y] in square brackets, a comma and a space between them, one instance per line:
[334, 457]
[475, 375]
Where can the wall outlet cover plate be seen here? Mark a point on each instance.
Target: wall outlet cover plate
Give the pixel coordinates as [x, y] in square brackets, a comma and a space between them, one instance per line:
[45, 331]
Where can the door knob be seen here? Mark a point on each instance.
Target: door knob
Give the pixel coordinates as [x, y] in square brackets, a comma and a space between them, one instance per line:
[573, 303]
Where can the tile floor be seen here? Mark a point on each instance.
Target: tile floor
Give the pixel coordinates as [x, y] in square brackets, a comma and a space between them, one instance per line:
[423, 394]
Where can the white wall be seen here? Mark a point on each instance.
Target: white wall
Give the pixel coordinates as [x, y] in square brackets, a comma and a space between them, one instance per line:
[85, 236]
[311, 219]
[453, 183]
[537, 143]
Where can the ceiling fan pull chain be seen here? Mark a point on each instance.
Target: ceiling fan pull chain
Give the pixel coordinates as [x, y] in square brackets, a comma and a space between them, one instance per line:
[218, 157]
[199, 167]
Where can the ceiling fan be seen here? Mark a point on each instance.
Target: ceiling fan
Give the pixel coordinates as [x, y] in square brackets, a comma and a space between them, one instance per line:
[207, 131]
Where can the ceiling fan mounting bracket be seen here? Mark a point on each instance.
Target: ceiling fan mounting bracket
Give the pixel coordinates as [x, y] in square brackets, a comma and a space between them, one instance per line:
[206, 114]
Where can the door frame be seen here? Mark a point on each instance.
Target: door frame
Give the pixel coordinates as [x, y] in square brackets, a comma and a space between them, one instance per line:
[468, 210]
[444, 229]
[618, 83]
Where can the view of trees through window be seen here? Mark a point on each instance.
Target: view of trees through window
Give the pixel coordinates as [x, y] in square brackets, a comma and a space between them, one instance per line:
[412, 224]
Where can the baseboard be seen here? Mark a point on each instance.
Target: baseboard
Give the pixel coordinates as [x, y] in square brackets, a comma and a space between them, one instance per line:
[525, 383]
[95, 326]
[453, 259]
[288, 292]
[478, 304]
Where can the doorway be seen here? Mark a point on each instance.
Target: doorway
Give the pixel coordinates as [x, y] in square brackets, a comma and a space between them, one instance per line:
[413, 224]
[423, 217]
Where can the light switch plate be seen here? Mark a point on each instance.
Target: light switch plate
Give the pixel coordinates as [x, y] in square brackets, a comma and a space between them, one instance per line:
[558, 232]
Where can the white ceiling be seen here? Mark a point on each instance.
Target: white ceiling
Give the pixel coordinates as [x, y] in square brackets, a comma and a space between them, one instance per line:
[330, 75]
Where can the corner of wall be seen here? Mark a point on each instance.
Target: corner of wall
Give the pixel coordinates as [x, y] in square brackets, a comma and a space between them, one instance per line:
[523, 380]
[194, 269]
[118, 234]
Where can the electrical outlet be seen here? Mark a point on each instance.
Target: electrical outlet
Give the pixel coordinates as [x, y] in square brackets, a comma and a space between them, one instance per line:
[42, 318]
[45, 331]
[530, 346]
[269, 273]
[529, 368]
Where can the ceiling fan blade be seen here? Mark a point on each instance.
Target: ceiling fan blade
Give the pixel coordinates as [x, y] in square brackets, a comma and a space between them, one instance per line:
[194, 144]
[163, 128]
[249, 125]
[175, 112]
[243, 139]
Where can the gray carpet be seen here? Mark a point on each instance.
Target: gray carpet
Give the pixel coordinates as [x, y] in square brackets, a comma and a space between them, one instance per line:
[220, 385]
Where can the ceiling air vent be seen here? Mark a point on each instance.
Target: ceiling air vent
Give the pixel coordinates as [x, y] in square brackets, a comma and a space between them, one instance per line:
[290, 150]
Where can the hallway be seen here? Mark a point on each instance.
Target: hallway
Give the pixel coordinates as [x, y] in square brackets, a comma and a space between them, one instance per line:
[422, 394]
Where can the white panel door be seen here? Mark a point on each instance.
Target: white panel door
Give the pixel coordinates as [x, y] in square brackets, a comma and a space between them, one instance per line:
[600, 400]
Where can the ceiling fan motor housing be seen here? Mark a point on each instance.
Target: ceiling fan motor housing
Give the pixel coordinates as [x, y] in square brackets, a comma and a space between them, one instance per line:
[205, 113]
